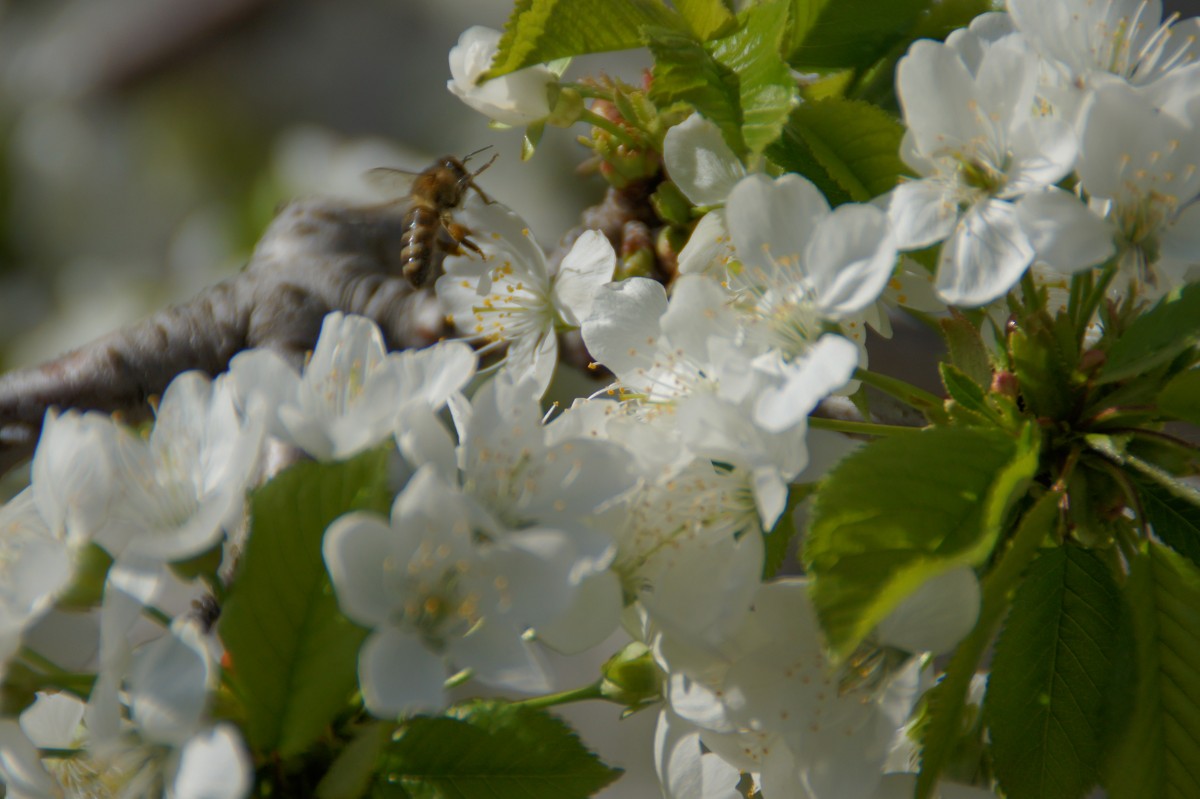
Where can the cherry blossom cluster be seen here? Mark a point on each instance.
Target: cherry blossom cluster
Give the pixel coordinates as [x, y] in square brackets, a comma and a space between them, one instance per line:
[1057, 137]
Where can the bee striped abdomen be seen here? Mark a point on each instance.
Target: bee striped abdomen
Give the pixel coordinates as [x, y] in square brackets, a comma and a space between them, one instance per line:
[421, 228]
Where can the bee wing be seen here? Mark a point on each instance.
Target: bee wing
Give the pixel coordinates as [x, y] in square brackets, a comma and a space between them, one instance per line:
[394, 182]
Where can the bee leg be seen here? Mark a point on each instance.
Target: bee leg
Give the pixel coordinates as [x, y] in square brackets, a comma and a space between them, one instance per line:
[460, 234]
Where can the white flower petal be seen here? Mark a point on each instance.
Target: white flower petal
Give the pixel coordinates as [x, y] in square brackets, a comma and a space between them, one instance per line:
[1064, 233]
[623, 329]
[588, 266]
[985, 257]
[214, 765]
[354, 548]
[849, 259]
[399, 676]
[936, 616]
[772, 220]
[699, 161]
[921, 212]
[518, 98]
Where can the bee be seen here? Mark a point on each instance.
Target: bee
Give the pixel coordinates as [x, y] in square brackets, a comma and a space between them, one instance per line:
[429, 225]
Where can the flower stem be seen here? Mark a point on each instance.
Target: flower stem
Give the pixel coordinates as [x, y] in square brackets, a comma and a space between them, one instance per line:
[583, 694]
[613, 129]
[927, 403]
[859, 428]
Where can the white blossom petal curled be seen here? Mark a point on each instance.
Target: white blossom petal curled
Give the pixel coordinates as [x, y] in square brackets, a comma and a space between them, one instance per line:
[518, 98]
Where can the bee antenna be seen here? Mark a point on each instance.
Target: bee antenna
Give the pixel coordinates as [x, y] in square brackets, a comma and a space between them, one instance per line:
[469, 156]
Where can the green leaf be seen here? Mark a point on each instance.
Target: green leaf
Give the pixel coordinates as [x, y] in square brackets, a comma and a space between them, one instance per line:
[1051, 674]
[904, 509]
[1156, 337]
[739, 81]
[1175, 519]
[294, 654]
[706, 18]
[765, 83]
[964, 391]
[832, 34]
[1043, 372]
[351, 773]
[491, 750]
[1159, 755]
[944, 729]
[539, 31]
[685, 72]
[966, 348]
[855, 144]
[1180, 398]
[778, 540]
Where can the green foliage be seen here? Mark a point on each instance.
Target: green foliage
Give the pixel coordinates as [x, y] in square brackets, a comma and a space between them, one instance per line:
[945, 720]
[1180, 398]
[1052, 676]
[539, 31]
[904, 509]
[706, 18]
[1044, 362]
[1156, 337]
[351, 773]
[738, 81]
[1175, 519]
[778, 540]
[294, 654]
[966, 348]
[1159, 755]
[833, 34]
[848, 148]
[490, 750]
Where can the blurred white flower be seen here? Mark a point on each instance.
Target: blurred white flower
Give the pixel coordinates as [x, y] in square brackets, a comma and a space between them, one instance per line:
[768, 701]
[352, 389]
[1140, 166]
[444, 588]
[518, 98]
[1083, 40]
[513, 296]
[178, 490]
[936, 616]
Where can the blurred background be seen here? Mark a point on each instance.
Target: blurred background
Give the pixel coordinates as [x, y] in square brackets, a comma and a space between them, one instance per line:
[145, 144]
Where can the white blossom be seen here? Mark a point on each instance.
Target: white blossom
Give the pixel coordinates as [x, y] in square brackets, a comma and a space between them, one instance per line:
[513, 296]
[518, 98]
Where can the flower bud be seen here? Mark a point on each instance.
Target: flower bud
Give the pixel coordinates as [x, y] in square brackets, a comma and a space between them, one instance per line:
[631, 676]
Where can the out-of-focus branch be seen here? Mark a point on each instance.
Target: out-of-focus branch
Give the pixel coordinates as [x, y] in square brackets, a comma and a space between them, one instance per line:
[316, 257]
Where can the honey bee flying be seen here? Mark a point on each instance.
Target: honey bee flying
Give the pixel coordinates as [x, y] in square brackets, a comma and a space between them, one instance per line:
[432, 196]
